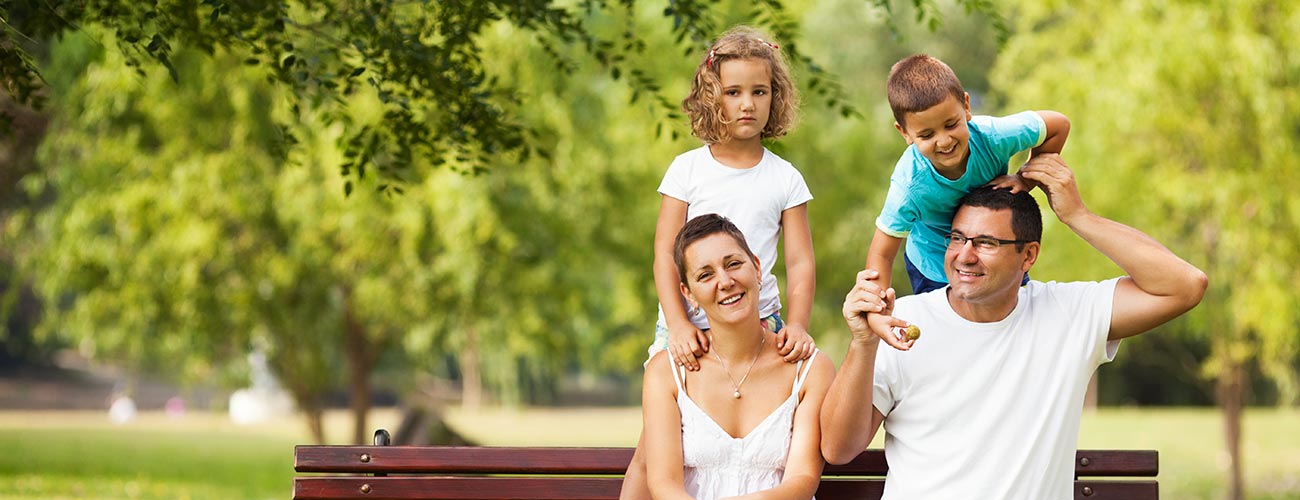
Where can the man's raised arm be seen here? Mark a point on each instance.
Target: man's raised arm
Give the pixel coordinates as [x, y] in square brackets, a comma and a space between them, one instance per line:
[849, 420]
[1160, 285]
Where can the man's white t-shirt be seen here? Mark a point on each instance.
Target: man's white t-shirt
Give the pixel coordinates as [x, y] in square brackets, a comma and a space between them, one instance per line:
[991, 410]
[753, 198]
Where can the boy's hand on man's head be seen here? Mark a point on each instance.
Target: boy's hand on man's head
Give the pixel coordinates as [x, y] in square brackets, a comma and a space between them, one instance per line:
[1014, 182]
[794, 343]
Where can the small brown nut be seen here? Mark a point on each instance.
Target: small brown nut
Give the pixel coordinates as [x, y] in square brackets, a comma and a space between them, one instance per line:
[913, 332]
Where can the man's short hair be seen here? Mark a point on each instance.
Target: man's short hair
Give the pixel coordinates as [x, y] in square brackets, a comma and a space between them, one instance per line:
[918, 83]
[702, 227]
[1026, 219]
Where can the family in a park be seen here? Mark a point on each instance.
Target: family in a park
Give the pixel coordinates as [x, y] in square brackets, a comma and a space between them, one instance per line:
[984, 403]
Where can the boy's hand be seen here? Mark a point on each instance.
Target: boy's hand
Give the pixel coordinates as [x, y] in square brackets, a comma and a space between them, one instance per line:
[1015, 183]
[884, 327]
[685, 343]
[794, 343]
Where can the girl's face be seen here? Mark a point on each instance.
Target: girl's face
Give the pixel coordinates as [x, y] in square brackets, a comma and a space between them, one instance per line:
[721, 279]
[746, 96]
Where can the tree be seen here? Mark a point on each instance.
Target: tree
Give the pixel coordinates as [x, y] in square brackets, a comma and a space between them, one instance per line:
[425, 60]
[1192, 139]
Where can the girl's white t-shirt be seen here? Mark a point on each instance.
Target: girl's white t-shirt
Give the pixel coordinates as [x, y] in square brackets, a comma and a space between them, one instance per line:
[752, 198]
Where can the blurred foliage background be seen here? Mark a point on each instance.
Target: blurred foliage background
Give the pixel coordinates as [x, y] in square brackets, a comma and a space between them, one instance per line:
[462, 194]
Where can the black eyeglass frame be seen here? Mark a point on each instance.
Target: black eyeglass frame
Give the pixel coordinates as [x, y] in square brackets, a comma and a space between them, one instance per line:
[976, 241]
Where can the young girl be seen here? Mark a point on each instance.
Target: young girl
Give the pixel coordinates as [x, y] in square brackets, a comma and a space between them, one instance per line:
[741, 94]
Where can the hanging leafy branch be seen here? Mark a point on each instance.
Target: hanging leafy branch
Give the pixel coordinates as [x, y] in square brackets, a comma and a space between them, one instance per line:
[423, 59]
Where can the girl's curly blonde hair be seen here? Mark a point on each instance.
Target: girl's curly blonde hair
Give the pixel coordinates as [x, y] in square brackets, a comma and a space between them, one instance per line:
[703, 105]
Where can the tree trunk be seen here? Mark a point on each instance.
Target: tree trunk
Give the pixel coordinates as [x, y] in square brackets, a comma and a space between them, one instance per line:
[1231, 392]
[472, 383]
[315, 423]
[360, 356]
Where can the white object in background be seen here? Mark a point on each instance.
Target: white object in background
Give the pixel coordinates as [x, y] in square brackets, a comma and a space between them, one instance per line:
[122, 410]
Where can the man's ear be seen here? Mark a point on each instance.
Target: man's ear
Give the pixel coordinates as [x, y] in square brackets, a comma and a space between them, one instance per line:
[903, 132]
[1031, 255]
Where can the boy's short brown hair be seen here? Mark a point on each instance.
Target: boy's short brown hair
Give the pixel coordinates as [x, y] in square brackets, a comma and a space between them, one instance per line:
[704, 104]
[918, 83]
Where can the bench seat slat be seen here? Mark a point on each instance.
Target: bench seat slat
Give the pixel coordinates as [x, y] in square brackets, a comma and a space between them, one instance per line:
[577, 488]
[580, 461]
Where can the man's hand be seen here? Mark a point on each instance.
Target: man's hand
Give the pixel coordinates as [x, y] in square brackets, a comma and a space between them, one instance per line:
[1057, 180]
[794, 343]
[867, 310]
[685, 343]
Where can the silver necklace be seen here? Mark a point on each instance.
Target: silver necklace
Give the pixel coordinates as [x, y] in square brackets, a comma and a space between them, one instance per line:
[735, 387]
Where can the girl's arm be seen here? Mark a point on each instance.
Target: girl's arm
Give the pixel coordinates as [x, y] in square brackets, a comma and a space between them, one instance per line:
[801, 280]
[685, 342]
[803, 467]
[662, 424]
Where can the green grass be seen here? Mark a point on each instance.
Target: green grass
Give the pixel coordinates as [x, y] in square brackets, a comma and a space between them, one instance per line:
[79, 455]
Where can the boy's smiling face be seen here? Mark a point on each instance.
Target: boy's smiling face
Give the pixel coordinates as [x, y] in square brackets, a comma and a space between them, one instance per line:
[940, 133]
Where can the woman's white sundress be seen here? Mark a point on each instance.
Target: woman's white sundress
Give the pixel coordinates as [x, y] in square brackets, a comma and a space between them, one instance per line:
[719, 465]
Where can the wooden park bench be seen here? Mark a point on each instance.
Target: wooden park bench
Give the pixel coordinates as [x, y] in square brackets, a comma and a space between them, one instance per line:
[383, 472]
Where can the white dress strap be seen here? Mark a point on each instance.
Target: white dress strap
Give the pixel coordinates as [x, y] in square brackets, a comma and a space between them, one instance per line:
[801, 371]
[679, 380]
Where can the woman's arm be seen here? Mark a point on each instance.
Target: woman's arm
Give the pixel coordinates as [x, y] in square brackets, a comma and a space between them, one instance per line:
[685, 342]
[794, 341]
[662, 429]
[803, 467]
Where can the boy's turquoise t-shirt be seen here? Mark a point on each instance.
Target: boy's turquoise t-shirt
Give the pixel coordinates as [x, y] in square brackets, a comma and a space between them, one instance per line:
[921, 203]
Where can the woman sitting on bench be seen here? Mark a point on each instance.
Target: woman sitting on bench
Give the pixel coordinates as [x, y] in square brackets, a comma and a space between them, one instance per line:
[747, 423]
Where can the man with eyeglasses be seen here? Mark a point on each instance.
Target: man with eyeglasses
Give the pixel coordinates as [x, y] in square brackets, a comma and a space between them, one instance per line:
[986, 404]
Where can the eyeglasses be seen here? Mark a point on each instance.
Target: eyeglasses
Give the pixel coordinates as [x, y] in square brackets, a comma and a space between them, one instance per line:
[982, 244]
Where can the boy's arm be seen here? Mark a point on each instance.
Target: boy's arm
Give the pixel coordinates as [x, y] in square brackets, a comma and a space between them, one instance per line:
[1058, 129]
[685, 342]
[881, 255]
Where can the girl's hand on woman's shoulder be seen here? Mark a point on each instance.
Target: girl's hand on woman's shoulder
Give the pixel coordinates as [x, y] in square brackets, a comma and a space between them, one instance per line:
[794, 343]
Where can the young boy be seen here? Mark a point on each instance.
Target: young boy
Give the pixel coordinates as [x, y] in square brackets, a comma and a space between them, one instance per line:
[949, 153]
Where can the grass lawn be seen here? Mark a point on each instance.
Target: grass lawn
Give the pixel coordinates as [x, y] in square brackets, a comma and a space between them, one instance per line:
[79, 455]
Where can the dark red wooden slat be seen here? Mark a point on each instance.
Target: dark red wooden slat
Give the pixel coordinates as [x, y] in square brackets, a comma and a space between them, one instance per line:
[456, 488]
[461, 459]
[1092, 489]
[1124, 463]
[864, 489]
[560, 488]
[492, 460]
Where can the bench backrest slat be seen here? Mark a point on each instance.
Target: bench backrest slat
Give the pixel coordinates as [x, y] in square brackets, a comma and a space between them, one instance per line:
[578, 461]
[461, 460]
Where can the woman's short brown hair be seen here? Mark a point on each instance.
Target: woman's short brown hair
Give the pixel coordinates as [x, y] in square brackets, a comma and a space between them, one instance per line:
[704, 104]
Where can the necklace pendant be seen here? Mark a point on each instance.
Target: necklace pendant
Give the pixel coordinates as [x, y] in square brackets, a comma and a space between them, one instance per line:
[736, 394]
